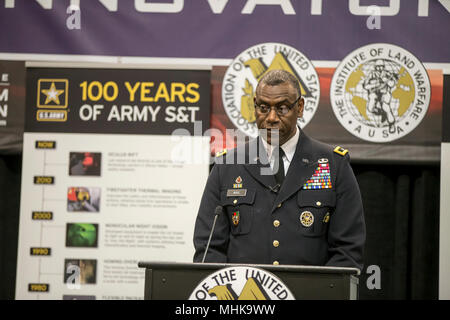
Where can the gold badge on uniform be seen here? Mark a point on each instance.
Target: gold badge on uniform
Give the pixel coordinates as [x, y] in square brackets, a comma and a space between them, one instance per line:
[238, 183]
[326, 218]
[307, 219]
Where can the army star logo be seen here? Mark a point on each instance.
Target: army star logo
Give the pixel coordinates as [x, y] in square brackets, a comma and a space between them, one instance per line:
[242, 76]
[380, 92]
[52, 94]
[52, 100]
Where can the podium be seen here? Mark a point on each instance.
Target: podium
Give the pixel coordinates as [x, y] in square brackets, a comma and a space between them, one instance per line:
[177, 281]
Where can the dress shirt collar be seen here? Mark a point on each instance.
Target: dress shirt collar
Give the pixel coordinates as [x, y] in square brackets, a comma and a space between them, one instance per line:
[288, 147]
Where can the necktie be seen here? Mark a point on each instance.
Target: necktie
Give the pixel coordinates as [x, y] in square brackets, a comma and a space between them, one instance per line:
[279, 163]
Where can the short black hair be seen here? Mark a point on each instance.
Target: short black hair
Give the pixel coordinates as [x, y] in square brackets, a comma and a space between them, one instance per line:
[279, 76]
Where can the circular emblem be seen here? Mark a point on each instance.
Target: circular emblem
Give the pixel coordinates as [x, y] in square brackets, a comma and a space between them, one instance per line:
[380, 92]
[243, 283]
[242, 76]
[307, 219]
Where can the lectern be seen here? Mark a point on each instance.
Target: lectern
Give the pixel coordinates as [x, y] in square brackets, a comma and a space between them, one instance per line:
[177, 281]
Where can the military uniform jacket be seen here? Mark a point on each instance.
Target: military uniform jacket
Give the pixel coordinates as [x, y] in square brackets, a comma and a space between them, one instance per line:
[313, 219]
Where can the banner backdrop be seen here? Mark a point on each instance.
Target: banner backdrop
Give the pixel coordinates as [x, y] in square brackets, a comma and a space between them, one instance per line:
[12, 106]
[392, 115]
[321, 29]
[101, 187]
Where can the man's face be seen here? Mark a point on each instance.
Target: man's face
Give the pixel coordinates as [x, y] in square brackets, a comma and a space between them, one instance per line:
[273, 96]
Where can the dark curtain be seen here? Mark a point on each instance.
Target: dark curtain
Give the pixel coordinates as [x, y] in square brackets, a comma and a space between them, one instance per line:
[401, 204]
[10, 175]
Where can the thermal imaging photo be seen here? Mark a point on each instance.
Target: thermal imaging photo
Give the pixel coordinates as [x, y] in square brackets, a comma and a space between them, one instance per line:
[85, 164]
[83, 199]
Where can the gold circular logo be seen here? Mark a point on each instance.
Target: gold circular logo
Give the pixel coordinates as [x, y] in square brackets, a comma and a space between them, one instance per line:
[307, 219]
[383, 96]
[242, 76]
[241, 283]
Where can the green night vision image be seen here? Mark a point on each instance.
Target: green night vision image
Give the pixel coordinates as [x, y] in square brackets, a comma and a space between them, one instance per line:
[81, 235]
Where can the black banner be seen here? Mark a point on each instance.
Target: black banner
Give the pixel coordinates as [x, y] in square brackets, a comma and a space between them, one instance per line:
[116, 100]
[12, 105]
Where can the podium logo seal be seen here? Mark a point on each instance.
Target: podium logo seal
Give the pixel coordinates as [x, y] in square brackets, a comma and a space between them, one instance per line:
[241, 283]
[380, 92]
[242, 76]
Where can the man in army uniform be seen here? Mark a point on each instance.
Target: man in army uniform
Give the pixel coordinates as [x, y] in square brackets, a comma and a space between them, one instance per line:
[308, 211]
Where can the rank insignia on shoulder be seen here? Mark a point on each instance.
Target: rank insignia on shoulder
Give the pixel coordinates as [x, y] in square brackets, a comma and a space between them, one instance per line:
[340, 150]
[221, 153]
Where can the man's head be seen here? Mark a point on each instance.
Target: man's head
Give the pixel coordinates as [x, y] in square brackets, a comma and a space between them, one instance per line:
[379, 65]
[278, 91]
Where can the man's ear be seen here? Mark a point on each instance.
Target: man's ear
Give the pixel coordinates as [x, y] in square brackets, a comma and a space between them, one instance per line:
[301, 106]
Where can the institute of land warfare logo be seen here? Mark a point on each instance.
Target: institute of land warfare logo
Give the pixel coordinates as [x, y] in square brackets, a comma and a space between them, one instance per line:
[241, 283]
[52, 94]
[242, 76]
[380, 92]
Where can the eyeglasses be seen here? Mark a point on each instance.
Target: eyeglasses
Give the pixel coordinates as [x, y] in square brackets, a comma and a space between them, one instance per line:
[281, 110]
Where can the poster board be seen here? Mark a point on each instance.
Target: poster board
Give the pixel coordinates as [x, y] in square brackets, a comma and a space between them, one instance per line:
[105, 187]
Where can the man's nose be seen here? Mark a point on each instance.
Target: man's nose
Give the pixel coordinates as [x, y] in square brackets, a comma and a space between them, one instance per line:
[272, 116]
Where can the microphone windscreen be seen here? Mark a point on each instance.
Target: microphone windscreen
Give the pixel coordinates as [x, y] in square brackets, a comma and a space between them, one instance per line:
[219, 210]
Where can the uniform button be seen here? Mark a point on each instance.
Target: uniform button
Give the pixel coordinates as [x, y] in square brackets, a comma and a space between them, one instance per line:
[235, 201]
[318, 203]
[279, 205]
[276, 243]
[276, 263]
[276, 223]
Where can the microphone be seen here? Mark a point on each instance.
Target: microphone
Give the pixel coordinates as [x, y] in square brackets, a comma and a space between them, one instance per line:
[217, 212]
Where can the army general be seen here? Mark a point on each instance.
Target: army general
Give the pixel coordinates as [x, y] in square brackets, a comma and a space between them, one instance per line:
[306, 211]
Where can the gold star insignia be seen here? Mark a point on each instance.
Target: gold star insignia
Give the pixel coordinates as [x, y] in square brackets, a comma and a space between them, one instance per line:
[52, 94]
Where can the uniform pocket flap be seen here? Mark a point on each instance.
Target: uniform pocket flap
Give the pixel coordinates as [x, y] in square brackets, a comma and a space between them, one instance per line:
[234, 199]
[316, 198]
